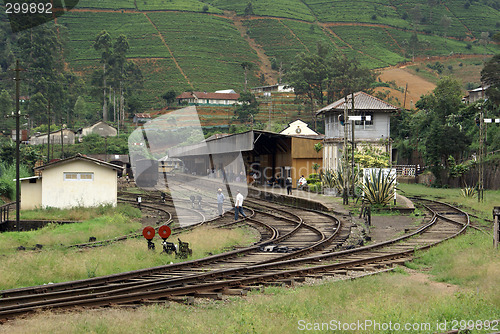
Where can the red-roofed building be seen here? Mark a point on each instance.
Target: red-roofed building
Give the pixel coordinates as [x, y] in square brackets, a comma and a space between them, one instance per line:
[227, 97]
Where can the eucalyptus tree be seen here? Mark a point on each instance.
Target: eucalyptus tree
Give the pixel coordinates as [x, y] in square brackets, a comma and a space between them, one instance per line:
[103, 43]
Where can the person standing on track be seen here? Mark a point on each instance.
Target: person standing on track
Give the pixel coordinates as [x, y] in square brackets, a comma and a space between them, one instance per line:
[220, 201]
[238, 205]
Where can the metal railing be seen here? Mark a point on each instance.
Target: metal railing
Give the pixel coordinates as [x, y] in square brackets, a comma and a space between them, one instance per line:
[4, 212]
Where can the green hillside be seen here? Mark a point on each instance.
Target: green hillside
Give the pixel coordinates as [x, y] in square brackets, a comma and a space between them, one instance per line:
[200, 44]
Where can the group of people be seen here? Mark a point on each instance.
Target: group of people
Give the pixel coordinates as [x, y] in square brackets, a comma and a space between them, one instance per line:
[238, 204]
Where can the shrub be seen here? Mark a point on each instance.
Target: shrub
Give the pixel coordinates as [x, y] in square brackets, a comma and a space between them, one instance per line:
[315, 188]
[378, 189]
[469, 192]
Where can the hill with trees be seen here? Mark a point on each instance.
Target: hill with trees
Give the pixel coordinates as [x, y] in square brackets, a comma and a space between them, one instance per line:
[190, 45]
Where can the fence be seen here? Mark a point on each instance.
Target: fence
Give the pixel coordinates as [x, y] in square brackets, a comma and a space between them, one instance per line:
[4, 212]
[407, 170]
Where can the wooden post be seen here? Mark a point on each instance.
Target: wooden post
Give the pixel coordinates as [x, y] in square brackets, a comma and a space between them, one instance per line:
[496, 232]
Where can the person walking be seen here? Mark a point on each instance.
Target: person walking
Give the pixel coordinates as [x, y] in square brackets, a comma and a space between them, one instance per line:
[238, 205]
[220, 201]
[288, 183]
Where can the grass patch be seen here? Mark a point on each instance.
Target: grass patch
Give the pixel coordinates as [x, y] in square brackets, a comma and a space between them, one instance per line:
[102, 223]
[453, 196]
[468, 261]
[61, 264]
[395, 297]
[467, 265]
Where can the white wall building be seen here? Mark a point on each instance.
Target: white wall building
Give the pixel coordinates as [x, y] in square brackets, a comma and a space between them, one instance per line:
[298, 128]
[71, 182]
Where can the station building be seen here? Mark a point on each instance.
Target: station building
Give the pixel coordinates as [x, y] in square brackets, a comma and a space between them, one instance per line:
[267, 156]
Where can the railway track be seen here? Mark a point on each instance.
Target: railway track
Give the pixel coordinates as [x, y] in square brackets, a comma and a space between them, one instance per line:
[211, 276]
[279, 229]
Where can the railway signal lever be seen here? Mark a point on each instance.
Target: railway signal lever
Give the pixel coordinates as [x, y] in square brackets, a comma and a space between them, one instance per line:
[148, 232]
[168, 247]
[184, 250]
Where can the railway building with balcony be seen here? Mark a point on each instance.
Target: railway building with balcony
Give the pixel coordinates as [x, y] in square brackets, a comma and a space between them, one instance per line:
[373, 128]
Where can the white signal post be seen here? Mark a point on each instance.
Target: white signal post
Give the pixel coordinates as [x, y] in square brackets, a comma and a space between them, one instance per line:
[482, 147]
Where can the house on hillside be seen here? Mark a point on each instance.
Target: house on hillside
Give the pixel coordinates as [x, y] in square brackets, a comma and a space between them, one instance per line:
[67, 137]
[280, 88]
[71, 182]
[475, 95]
[101, 128]
[371, 127]
[222, 97]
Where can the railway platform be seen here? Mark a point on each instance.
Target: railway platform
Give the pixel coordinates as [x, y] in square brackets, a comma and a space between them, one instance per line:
[332, 203]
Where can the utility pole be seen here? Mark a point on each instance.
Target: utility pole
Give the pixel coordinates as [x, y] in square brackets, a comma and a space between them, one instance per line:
[345, 196]
[17, 115]
[18, 141]
[62, 138]
[353, 144]
[480, 182]
[48, 133]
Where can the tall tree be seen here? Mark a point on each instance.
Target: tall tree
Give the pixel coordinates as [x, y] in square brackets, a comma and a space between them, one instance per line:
[6, 108]
[42, 55]
[246, 67]
[490, 75]
[346, 76]
[437, 127]
[103, 43]
[307, 77]
[249, 107]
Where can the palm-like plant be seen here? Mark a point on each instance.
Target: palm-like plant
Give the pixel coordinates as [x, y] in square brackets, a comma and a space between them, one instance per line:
[378, 188]
[336, 179]
[469, 192]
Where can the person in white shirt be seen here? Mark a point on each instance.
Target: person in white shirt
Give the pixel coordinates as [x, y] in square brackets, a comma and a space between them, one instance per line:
[302, 182]
[238, 205]
[220, 201]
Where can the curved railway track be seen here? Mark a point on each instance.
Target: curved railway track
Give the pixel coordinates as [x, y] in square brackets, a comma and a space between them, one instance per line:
[279, 229]
[210, 275]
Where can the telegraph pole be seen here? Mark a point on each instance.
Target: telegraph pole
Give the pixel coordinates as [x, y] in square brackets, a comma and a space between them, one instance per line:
[48, 133]
[480, 182]
[18, 141]
[345, 196]
[62, 138]
[353, 144]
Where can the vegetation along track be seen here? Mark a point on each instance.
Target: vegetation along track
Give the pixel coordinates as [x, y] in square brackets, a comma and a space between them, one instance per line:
[187, 278]
[280, 229]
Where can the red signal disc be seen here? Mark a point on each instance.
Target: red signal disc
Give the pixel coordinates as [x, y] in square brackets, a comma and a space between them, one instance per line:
[148, 232]
[164, 231]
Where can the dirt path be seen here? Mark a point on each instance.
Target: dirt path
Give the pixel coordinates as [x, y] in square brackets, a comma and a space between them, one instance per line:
[270, 76]
[417, 86]
[170, 51]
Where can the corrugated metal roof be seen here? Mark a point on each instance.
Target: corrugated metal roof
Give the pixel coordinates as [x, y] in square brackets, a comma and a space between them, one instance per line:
[79, 157]
[362, 101]
[211, 96]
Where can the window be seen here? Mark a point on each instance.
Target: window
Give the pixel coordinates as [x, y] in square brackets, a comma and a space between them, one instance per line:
[364, 124]
[78, 176]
